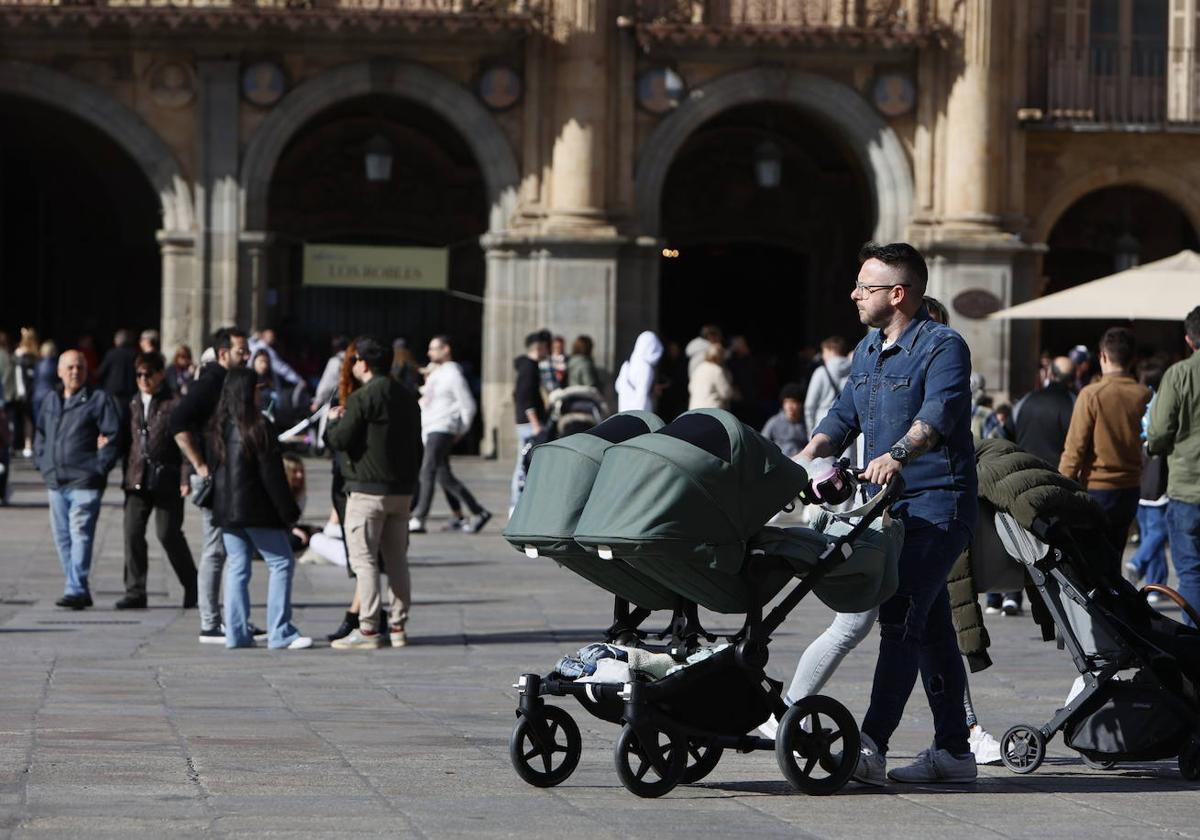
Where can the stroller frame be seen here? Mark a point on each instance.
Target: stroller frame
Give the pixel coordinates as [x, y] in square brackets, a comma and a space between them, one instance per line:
[678, 752]
[1023, 746]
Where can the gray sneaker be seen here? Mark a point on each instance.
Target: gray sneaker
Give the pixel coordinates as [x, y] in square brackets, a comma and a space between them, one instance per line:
[934, 765]
[872, 765]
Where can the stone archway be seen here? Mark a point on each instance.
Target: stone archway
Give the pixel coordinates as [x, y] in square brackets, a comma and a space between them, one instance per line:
[876, 147]
[182, 301]
[443, 95]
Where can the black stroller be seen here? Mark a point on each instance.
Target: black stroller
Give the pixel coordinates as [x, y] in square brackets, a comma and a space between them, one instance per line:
[667, 519]
[1138, 696]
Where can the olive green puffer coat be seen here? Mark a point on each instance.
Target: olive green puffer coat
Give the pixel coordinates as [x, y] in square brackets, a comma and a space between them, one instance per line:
[1026, 487]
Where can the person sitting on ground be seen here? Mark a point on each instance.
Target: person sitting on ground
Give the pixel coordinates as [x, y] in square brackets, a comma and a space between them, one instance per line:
[786, 429]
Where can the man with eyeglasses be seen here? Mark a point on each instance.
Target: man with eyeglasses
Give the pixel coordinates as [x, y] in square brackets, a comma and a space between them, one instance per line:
[154, 483]
[909, 396]
[75, 446]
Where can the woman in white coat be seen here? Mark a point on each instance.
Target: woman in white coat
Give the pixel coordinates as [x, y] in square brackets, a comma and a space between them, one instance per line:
[635, 380]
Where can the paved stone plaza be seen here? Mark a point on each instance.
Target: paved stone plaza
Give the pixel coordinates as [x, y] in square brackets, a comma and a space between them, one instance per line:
[120, 724]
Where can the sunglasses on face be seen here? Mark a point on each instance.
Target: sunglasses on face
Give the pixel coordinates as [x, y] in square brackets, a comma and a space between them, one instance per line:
[145, 374]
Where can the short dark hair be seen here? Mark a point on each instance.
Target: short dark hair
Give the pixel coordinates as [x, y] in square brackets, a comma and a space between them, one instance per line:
[339, 343]
[903, 257]
[1150, 372]
[442, 338]
[792, 391]
[837, 344]
[1119, 344]
[537, 338]
[1191, 326]
[371, 350]
[222, 338]
[154, 362]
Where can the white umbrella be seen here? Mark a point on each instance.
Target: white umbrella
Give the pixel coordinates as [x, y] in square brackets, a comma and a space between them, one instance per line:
[1165, 290]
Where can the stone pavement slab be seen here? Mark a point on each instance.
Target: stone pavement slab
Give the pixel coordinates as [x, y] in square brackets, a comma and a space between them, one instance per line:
[122, 725]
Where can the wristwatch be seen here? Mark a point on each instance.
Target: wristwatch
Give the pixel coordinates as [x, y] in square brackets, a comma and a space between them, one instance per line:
[900, 453]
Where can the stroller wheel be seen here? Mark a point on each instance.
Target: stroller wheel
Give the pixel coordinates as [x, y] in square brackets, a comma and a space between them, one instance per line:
[652, 769]
[1023, 748]
[817, 745]
[1097, 763]
[533, 748]
[702, 759]
[1189, 759]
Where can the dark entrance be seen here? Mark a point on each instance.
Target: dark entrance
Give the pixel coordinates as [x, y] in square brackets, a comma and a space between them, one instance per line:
[1104, 232]
[78, 218]
[767, 211]
[434, 197]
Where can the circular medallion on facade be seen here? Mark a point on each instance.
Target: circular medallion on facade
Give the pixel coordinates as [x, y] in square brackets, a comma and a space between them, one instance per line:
[500, 87]
[976, 303]
[263, 83]
[172, 84]
[660, 90]
[894, 94]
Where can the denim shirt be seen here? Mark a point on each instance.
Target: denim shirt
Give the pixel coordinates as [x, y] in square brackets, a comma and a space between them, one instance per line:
[925, 376]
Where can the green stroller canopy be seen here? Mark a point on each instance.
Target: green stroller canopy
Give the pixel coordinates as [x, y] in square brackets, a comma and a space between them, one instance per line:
[559, 482]
[697, 489]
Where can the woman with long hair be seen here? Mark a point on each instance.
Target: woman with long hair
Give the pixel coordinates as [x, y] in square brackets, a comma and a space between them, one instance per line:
[254, 507]
[23, 419]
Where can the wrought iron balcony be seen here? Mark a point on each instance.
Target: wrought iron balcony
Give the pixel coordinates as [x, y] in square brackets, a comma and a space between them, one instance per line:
[786, 21]
[1114, 86]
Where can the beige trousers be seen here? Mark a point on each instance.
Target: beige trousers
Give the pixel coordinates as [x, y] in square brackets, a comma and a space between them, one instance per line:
[377, 526]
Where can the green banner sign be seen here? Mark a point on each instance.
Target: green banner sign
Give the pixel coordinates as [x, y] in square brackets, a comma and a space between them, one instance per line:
[371, 267]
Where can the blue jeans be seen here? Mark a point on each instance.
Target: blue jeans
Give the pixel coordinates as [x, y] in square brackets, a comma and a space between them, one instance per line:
[916, 634]
[1151, 556]
[1183, 530]
[73, 515]
[272, 544]
[524, 433]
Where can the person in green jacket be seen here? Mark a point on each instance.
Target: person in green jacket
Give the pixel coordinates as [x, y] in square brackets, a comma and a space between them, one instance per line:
[581, 369]
[1174, 431]
[378, 434]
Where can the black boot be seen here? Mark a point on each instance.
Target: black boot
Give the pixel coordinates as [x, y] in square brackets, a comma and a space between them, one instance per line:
[349, 623]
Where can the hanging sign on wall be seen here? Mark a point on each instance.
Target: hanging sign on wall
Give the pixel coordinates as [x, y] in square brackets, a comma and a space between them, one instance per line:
[375, 267]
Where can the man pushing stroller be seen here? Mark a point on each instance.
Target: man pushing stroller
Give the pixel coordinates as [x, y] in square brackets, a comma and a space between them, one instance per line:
[908, 395]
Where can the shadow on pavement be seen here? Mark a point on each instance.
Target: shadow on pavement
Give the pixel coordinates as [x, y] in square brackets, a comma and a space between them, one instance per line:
[520, 637]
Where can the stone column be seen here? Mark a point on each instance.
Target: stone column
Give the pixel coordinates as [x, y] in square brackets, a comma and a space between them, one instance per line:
[219, 146]
[978, 260]
[254, 249]
[182, 291]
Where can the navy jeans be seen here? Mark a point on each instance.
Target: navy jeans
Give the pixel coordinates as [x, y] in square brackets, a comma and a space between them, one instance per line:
[916, 634]
[1183, 531]
[1121, 507]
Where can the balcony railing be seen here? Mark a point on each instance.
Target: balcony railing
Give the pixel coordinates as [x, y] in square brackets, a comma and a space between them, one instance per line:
[1108, 85]
[749, 20]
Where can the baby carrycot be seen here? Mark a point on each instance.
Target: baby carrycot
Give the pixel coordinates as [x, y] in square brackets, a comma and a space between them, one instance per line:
[685, 508]
[560, 478]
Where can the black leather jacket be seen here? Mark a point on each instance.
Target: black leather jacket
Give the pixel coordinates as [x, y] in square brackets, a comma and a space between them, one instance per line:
[251, 490]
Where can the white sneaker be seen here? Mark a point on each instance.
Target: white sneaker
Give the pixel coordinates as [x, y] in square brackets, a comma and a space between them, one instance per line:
[872, 766]
[1011, 607]
[769, 728]
[26, 452]
[984, 747]
[1153, 598]
[416, 526]
[300, 643]
[990, 610]
[934, 765]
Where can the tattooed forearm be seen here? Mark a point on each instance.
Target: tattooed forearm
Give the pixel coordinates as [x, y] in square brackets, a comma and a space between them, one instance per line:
[921, 438]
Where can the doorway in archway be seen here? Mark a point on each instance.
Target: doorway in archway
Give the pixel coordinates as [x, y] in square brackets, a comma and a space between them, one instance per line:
[78, 254]
[1104, 232]
[433, 196]
[763, 213]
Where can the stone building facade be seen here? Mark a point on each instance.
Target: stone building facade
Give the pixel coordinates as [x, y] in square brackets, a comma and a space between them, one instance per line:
[597, 166]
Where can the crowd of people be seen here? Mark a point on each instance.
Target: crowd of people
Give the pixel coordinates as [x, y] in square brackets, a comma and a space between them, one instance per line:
[211, 434]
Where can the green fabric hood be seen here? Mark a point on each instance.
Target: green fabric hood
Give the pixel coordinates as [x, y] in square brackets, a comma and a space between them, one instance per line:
[698, 488]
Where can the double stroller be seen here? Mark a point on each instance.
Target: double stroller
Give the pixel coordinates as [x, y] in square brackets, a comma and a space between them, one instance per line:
[1138, 693]
[672, 518]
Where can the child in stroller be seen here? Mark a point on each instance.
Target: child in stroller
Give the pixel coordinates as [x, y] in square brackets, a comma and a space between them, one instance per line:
[671, 517]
